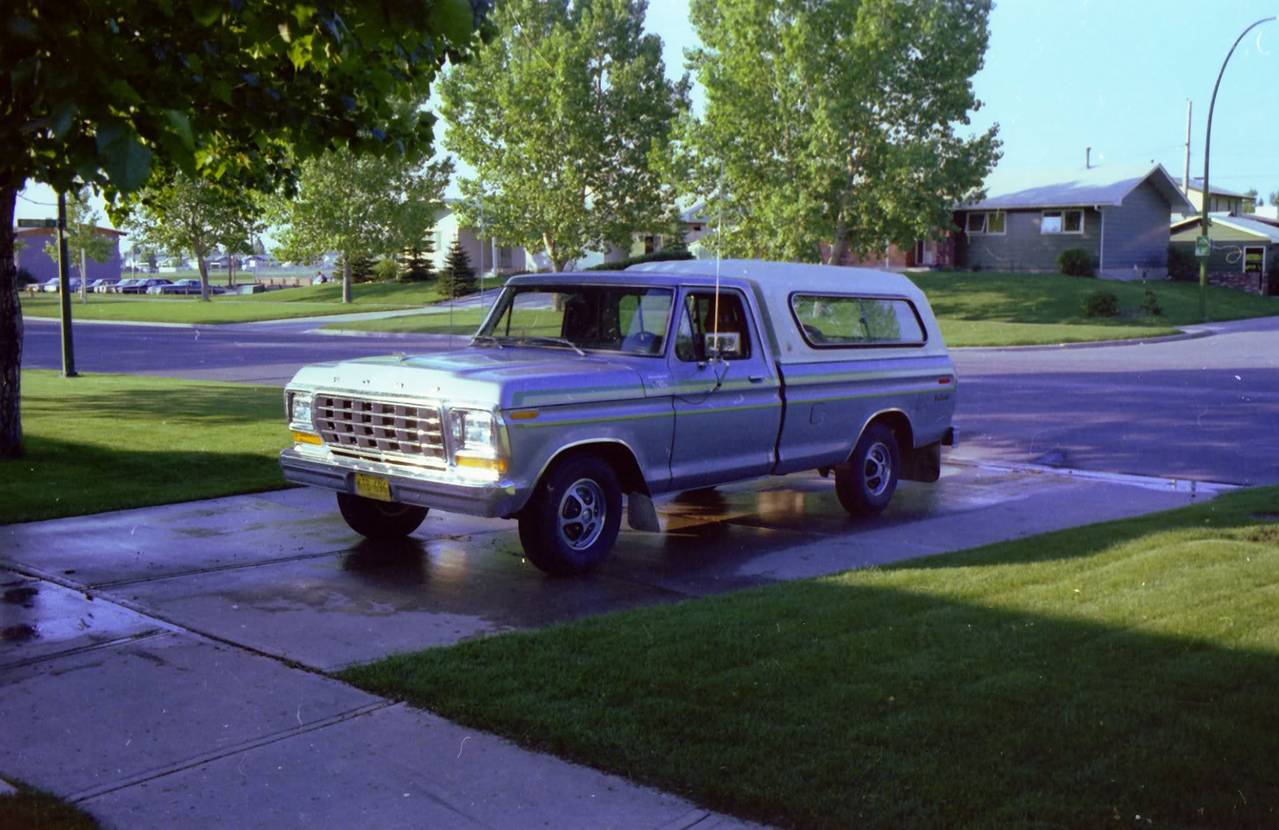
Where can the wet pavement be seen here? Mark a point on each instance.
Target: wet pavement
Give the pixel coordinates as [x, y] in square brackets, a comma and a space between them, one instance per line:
[166, 666]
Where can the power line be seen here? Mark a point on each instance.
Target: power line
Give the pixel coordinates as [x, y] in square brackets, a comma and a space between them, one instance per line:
[34, 202]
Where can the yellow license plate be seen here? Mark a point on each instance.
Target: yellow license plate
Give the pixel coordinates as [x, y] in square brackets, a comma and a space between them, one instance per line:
[372, 487]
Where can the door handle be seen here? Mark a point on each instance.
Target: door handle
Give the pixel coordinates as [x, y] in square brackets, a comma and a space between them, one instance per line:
[756, 378]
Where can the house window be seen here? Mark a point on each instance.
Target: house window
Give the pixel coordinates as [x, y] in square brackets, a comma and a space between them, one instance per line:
[1254, 259]
[1062, 221]
[650, 244]
[985, 223]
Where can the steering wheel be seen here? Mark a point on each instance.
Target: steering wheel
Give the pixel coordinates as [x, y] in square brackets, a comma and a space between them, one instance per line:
[644, 342]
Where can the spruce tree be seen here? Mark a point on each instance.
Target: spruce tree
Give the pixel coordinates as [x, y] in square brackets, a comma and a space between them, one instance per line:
[459, 276]
[415, 261]
[361, 268]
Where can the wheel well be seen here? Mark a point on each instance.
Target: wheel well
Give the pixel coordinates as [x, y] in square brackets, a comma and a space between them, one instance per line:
[902, 430]
[618, 456]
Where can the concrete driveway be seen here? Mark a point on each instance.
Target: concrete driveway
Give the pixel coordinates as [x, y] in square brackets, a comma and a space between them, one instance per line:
[168, 666]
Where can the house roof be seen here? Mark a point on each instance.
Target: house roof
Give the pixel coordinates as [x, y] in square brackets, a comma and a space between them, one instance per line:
[1244, 224]
[1197, 183]
[1104, 185]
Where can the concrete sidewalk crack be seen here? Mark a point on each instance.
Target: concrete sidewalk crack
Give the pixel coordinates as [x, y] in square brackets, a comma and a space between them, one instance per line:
[245, 746]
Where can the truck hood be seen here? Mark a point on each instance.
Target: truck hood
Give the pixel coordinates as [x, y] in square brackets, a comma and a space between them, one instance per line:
[508, 378]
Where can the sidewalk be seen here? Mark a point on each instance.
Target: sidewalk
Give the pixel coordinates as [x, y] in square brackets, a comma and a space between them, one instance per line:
[145, 724]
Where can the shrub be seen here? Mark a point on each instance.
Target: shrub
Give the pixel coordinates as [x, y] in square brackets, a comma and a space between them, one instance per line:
[1101, 304]
[386, 270]
[1075, 262]
[1150, 304]
[1182, 264]
[664, 255]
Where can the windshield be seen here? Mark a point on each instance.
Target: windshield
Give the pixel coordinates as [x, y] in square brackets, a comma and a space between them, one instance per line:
[601, 317]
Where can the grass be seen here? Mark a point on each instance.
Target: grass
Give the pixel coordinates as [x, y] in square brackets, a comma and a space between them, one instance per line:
[108, 442]
[1117, 673]
[1024, 309]
[461, 321]
[286, 303]
[29, 809]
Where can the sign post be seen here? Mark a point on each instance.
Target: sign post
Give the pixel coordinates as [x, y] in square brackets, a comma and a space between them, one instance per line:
[1202, 247]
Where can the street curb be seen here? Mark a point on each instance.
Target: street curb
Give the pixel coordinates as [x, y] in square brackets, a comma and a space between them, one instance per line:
[123, 323]
[382, 335]
[1095, 344]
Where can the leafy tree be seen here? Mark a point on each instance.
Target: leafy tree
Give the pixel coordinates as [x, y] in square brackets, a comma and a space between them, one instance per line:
[834, 121]
[1274, 197]
[96, 91]
[178, 213]
[459, 277]
[1250, 200]
[359, 206]
[415, 260]
[83, 240]
[561, 116]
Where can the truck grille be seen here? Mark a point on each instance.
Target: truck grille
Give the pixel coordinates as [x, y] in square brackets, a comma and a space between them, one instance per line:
[393, 433]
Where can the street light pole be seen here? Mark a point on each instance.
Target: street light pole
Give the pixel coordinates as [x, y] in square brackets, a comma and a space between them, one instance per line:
[64, 292]
[1207, 194]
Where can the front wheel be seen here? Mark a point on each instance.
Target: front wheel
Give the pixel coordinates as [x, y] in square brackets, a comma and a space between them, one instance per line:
[867, 482]
[572, 520]
[379, 520]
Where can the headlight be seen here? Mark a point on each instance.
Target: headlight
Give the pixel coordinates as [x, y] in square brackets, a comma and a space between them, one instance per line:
[471, 431]
[300, 408]
[473, 439]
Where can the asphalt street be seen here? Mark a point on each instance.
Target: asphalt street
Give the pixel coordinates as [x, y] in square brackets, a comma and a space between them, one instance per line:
[1204, 409]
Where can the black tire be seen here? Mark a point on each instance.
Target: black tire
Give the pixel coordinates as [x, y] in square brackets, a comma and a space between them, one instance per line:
[560, 528]
[379, 520]
[865, 485]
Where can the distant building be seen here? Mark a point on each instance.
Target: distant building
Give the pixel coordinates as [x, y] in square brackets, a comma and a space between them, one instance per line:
[487, 257]
[1221, 200]
[1118, 215]
[30, 254]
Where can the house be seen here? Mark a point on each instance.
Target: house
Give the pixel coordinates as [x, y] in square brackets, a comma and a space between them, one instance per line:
[1119, 215]
[487, 256]
[1244, 254]
[30, 254]
[1220, 200]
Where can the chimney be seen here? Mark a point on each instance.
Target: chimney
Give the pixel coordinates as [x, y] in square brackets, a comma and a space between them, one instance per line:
[1087, 158]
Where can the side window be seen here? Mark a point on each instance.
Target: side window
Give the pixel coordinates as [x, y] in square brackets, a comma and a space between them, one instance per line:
[834, 321]
[695, 336]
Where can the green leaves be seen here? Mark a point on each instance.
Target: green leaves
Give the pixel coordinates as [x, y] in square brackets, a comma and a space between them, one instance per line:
[126, 161]
[453, 19]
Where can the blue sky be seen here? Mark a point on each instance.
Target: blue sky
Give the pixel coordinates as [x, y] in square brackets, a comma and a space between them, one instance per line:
[1110, 74]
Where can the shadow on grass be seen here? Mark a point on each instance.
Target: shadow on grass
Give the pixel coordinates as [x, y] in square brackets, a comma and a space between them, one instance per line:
[146, 399]
[843, 702]
[61, 478]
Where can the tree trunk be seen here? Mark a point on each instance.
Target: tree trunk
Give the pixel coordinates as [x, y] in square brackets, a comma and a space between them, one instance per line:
[346, 278]
[10, 334]
[203, 265]
[557, 264]
[230, 271]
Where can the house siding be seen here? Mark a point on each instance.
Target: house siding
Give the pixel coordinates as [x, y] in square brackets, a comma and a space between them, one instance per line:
[1137, 235]
[1022, 247]
[31, 256]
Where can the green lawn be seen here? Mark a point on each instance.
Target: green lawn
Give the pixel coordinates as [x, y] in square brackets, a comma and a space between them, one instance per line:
[286, 303]
[1119, 673]
[106, 442]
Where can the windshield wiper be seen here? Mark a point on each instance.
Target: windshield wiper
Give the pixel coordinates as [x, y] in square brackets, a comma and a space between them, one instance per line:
[563, 341]
[488, 338]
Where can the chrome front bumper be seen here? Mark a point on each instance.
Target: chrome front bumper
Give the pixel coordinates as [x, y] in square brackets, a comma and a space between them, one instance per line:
[488, 499]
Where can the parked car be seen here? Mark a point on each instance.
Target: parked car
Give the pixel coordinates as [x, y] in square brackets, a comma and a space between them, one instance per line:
[143, 286]
[580, 388]
[100, 286]
[122, 286]
[187, 286]
[50, 286]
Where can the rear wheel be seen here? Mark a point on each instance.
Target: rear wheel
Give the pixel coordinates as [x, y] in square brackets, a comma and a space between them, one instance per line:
[865, 485]
[572, 520]
[380, 520]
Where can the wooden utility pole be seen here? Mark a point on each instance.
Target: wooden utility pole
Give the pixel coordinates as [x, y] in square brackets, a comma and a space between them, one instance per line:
[64, 290]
